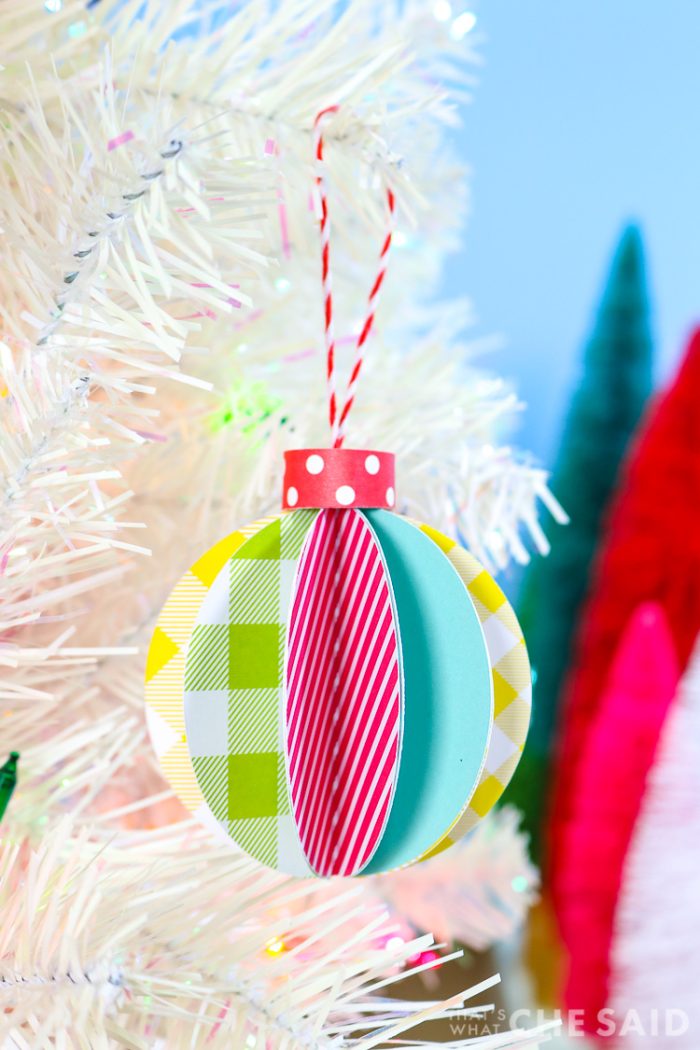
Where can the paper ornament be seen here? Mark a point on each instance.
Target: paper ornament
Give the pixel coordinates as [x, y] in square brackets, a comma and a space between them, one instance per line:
[341, 691]
[338, 689]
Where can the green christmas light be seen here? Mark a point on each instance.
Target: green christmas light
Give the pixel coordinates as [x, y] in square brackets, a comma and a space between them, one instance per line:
[8, 781]
[249, 404]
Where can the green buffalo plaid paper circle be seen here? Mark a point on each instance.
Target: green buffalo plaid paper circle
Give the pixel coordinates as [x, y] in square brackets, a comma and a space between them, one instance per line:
[234, 699]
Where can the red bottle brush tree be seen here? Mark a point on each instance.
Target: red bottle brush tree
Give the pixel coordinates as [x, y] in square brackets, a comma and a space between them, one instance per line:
[620, 746]
[651, 552]
[655, 952]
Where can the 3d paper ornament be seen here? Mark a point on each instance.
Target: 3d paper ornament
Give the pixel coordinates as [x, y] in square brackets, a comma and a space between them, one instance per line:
[341, 690]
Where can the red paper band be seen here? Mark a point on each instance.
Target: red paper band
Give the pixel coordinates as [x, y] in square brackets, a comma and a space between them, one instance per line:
[338, 477]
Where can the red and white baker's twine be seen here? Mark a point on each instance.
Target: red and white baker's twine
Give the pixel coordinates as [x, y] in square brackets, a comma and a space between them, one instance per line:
[338, 419]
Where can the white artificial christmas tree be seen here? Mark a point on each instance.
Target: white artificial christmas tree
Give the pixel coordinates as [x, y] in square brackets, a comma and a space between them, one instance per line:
[160, 345]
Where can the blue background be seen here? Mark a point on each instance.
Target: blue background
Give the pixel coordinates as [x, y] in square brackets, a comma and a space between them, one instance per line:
[586, 115]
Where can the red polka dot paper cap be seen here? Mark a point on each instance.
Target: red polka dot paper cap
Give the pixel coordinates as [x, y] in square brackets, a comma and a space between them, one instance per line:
[338, 477]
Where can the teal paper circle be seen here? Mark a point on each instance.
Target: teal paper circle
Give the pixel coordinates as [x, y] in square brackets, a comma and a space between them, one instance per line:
[448, 707]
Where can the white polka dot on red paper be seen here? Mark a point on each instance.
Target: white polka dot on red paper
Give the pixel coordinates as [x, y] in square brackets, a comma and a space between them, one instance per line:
[390, 496]
[345, 495]
[314, 463]
[372, 464]
[292, 496]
